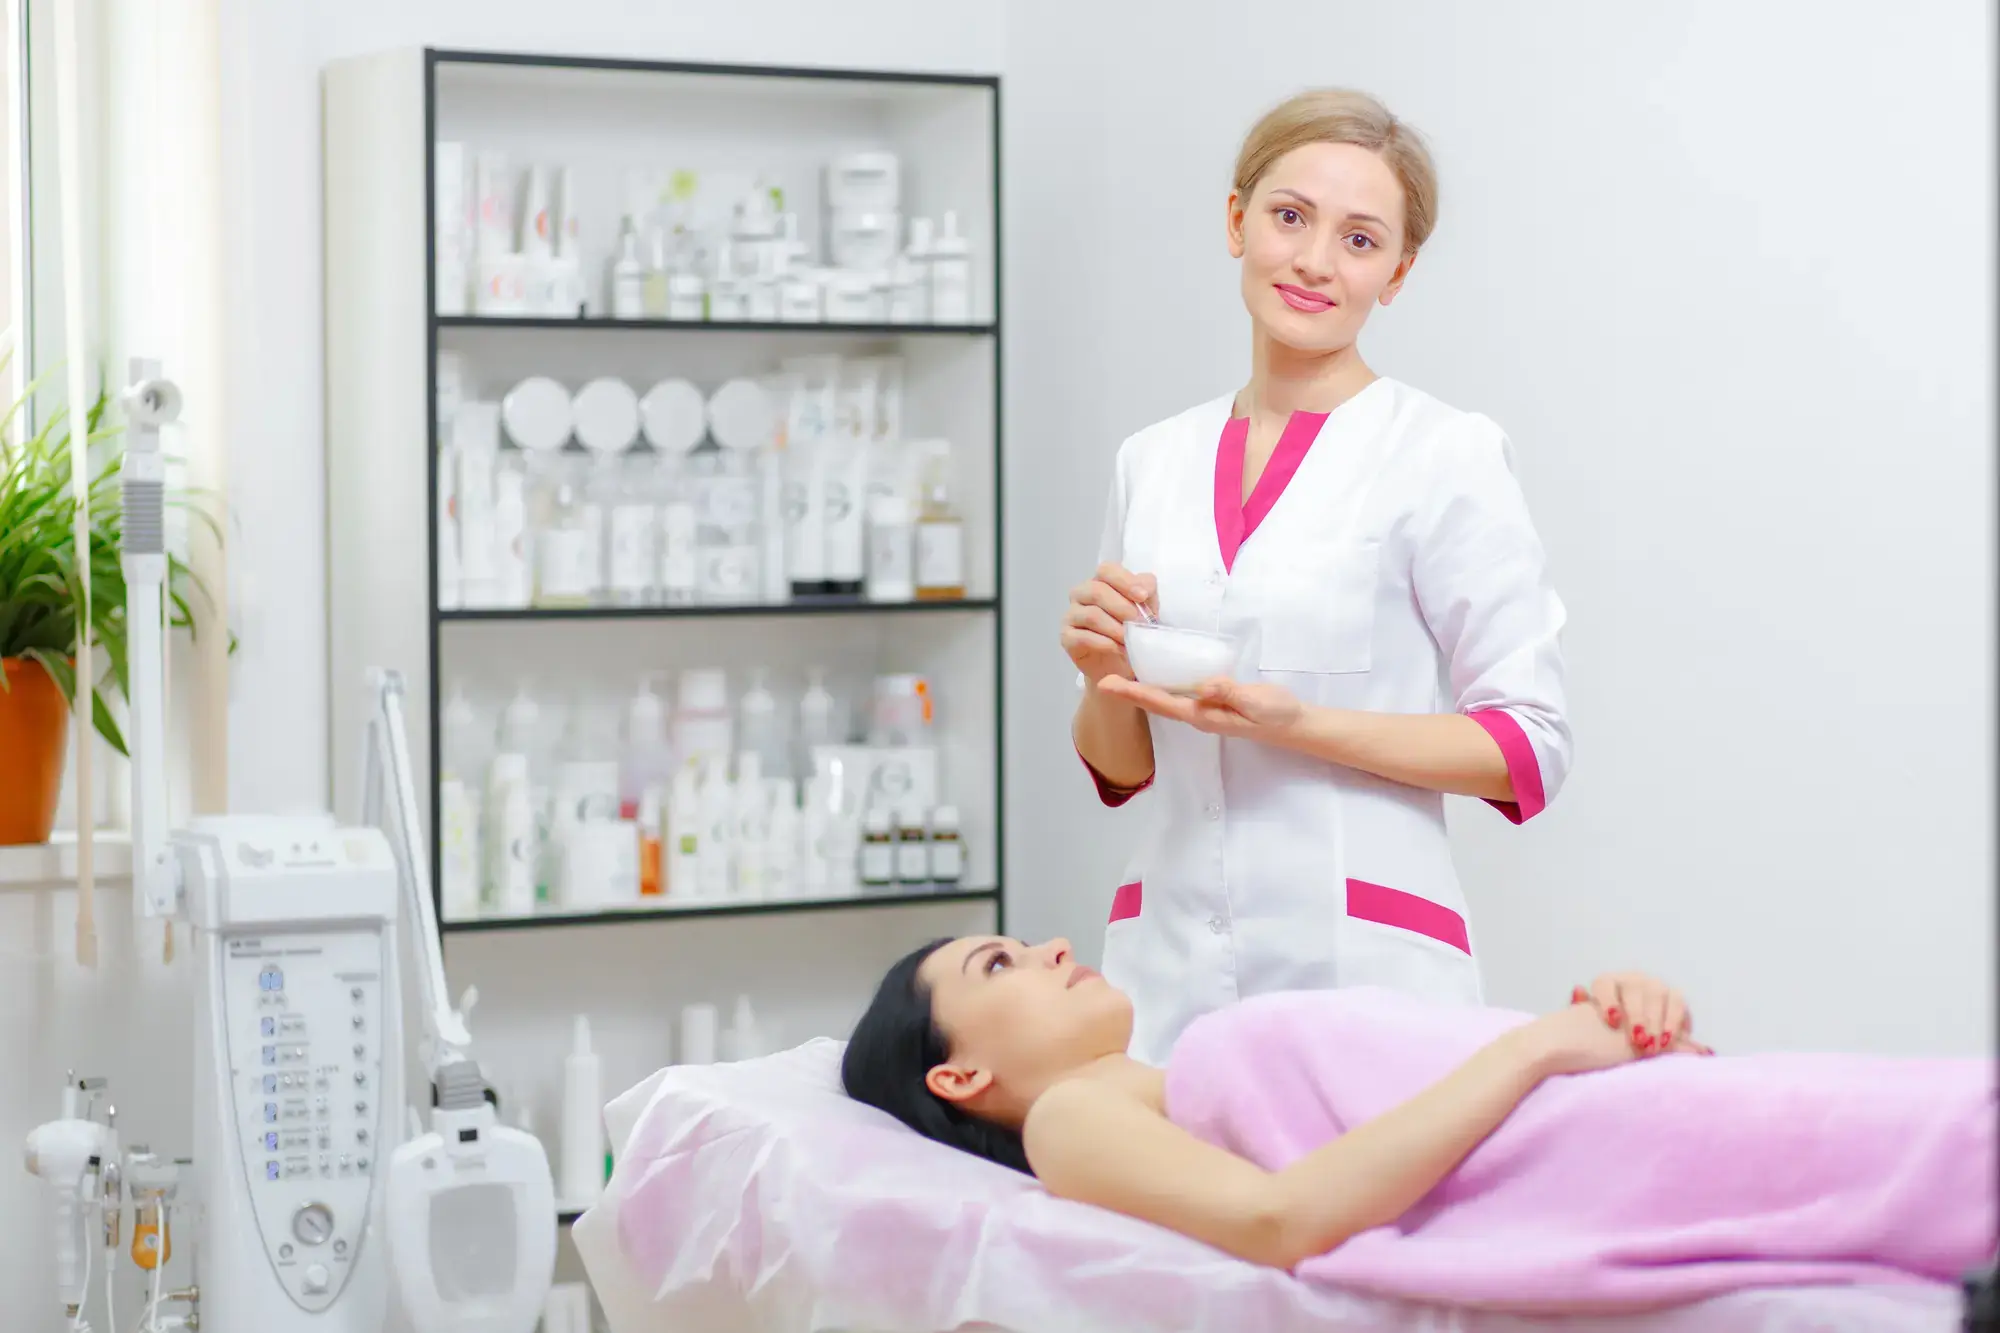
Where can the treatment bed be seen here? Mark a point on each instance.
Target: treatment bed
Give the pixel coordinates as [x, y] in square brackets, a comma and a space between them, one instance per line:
[758, 1197]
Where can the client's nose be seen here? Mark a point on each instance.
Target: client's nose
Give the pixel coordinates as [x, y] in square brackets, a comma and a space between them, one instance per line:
[1058, 950]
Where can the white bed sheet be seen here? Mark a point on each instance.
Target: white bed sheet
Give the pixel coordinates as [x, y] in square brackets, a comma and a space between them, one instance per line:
[770, 1170]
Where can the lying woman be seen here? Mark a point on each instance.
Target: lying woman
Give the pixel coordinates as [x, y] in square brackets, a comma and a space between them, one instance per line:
[1588, 1158]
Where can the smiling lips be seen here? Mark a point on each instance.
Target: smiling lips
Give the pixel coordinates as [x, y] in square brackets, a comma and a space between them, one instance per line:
[1082, 974]
[1298, 298]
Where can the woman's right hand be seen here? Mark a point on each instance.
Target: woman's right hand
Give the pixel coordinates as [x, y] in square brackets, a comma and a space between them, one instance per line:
[1093, 632]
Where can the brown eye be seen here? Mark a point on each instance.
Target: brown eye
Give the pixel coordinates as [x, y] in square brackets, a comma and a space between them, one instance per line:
[997, 959]
[1290, 216]
[1362, 241]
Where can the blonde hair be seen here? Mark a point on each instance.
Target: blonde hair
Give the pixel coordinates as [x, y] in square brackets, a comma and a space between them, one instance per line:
[1341, 115]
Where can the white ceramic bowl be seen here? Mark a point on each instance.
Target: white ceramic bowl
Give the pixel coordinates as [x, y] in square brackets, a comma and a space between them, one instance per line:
[1179, 659]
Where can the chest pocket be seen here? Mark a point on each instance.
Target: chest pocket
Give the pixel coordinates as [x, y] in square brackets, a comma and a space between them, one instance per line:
[1318, 615]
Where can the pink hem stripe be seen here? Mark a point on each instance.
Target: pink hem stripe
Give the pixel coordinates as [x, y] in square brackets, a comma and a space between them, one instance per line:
[1126, 902]
[1108, 792]
[1229, 532]
[1523, 769]
[1406, 911]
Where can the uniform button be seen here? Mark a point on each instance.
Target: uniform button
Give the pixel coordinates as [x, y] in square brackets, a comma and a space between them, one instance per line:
[1214, 580]
[1212, 810]
[1217, 924]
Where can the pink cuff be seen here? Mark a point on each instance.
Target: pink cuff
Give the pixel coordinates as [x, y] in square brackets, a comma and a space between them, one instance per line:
[1523, 769]
[1107, 791]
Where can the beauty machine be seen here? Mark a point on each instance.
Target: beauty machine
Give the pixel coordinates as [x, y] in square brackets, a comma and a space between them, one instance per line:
[310, 1209]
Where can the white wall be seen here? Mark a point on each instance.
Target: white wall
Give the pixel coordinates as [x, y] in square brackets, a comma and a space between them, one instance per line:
[1724, 272]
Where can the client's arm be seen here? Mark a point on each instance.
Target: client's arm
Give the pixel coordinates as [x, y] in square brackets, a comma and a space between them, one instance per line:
[1086, 1141]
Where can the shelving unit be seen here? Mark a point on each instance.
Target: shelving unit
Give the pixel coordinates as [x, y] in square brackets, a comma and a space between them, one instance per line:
[383, 116]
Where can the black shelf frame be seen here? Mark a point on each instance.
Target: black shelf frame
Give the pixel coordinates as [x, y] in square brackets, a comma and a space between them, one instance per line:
[602, 324]
[726, 908]
[735, 611]
[437, 326]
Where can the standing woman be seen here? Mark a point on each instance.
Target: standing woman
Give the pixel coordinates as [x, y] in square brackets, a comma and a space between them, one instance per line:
[1376, 545]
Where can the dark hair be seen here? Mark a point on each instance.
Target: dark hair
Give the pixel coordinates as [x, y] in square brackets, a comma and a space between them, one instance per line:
[895, 1045]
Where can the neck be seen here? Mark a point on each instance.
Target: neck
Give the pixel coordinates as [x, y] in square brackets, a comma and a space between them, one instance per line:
[1011, 1109]
[1284, 380]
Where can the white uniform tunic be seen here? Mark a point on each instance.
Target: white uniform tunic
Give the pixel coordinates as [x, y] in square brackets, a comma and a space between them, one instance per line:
[1386, 563]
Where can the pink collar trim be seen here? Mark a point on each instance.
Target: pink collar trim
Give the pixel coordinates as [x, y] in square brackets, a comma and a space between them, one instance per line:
[1235, 518]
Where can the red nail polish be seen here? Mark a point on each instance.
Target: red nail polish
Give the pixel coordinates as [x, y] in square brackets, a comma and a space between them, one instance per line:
[1577, 996]
[1613, 1017]
[1638, 1033]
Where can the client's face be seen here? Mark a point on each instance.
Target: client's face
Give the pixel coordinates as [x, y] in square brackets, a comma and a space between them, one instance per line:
[1017, 1018]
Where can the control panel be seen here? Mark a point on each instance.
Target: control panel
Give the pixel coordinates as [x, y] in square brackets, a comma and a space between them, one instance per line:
[303, 1011]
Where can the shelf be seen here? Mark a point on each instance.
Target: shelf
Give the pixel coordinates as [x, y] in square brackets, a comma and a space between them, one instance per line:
[597, 323]
[785, 907]
[829, 608]
[52, 864]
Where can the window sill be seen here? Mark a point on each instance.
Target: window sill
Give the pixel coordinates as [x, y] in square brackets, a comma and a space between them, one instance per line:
[52, 864]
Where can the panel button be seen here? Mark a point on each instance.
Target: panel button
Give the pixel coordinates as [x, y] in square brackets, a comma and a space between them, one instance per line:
[316, 1280]
[1217, 925]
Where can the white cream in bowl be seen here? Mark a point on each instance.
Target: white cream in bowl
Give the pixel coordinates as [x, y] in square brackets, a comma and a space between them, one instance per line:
[1178, 659]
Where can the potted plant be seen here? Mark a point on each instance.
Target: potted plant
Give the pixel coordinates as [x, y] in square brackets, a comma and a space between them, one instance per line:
[41, 597]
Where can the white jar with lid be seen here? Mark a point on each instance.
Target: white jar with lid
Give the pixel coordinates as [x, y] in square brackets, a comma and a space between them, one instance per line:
[801, 298]
[687, 297]
[852, 297]
[863, 240]
[864, 182]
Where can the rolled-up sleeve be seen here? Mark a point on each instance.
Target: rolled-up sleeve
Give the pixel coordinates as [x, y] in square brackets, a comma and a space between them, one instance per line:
[1481, 580]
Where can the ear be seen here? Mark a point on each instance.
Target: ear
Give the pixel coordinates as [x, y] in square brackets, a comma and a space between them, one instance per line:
[1396, 282]
[958, 1084]
[1233, 224]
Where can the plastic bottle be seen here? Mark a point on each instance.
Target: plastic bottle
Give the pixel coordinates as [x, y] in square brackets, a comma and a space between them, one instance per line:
[582, 1125]
[684, 838]
[628, 296]
[751, 827]
[818, 719]
[703, 730]
[742, 1040]
[458, 805]
[715, 857]
[951, 275]
[516, 798]
[781, 843]
[632, 562]
[760, 731]
[645, 770]
[890, 573]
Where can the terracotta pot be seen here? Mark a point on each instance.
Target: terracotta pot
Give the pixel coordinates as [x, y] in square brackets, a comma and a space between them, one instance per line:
[34, 743]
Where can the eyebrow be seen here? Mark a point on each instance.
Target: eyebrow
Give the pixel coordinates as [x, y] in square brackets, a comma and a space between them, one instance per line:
[1351, 217]
[987, 947]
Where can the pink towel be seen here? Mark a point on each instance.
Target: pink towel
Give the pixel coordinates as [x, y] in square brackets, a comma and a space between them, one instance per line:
[1653, 1183]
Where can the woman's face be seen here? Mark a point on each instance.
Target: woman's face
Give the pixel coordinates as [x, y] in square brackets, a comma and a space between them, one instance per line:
[1321, 240]
[1017, 1017]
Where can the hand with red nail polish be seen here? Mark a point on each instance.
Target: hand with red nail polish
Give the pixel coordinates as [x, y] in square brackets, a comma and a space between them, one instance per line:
[1657, 1012]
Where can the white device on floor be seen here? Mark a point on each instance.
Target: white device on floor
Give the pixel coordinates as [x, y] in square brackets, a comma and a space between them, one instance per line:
[310, 1208]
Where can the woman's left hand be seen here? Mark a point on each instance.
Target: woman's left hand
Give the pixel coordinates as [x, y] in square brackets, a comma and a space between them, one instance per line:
[1219, 707]
[1653, 1014]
